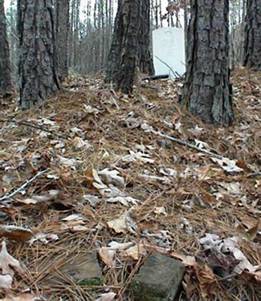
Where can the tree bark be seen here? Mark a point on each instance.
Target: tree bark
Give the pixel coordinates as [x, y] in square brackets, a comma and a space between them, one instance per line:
[144, 56]
[62, 9]
[37, 61]
[5, 66]
[252, 45]
[130, 44]
[207, 92]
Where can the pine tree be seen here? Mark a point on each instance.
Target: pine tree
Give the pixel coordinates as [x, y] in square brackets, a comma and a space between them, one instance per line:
[252, 45]
[5, 69]
[37, 62]
[207, 90]
[62, 8]
[130, 44]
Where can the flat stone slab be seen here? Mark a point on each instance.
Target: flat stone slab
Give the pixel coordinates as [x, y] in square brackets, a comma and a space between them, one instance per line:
[84, 269]
[158, 279]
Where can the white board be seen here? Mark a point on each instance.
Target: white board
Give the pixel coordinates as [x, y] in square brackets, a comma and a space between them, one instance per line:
[168, 47]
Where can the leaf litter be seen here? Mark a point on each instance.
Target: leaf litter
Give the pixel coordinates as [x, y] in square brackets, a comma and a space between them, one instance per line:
[99, 171]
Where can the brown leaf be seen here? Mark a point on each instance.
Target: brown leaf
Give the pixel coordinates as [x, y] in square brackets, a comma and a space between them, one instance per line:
[15, 233]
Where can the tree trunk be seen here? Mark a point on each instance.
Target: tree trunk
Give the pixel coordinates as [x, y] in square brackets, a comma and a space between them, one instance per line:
[37, 63]
[115, 51]
[62, 9]
[130, 44]
[207, 92]
[5, 66]
[252, 45]
[144, 56]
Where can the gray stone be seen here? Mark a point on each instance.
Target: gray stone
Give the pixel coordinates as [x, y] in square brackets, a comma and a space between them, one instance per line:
[84, 269]
[158, 279]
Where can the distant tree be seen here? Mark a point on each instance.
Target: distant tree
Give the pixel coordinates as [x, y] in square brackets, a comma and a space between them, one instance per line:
[252, 46]
[130, 44]
[207, 90]
[62, 9]
[37, 54]
[5, 69]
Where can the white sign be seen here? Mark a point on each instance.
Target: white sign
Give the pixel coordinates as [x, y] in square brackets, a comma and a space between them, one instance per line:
[169, 51]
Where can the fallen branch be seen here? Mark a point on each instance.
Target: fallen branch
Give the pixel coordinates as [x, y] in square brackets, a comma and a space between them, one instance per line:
[25, 184]
[190, 145]
[149, 129]
[156, 77]
[35, 126]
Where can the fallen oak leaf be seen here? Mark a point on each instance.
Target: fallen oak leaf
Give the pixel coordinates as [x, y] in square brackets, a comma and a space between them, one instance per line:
[107, 255]
[8, 266]
[15, 233]
[123, 223]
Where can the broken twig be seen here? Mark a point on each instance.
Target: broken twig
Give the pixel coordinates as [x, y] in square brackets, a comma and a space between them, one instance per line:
[25, 184]
[150, 129]
[35, 126]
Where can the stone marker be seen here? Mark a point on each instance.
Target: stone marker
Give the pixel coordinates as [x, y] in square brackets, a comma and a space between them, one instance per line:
[84, 269]
[158, 279]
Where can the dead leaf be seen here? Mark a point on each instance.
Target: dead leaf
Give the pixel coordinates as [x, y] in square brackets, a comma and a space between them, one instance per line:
[111, 177]
[8, 266]
[189, 261]
[15, 233]
[123, 223]
[160, 210]
[22, 297]
[43, 238]
[107, 255]
[107, 297]
[79, 143]
[73, 217]
[135, 252]
[228, 165]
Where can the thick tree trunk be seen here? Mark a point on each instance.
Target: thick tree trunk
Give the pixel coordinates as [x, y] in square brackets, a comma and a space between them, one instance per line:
[207, 90]
[5, 66]
[62, 9]
[130, 44]
[37, 61]
[252, 45]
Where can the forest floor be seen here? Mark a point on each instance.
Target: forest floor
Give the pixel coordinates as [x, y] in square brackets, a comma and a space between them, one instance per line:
[97, 177]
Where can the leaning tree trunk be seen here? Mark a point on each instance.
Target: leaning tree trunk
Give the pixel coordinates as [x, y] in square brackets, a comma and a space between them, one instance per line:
[130, 44]
[62, 9]
[5, 66]
[252, 45]
[37, 61]
[207, 92]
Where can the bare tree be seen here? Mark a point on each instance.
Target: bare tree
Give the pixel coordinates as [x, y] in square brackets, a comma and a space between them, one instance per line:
[5, 69]
[207, 89]
[37, 64]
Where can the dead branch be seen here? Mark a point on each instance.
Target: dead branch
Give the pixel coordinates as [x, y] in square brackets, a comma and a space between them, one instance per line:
[25, 184]
[35, 126]
[185, 143]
